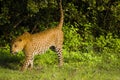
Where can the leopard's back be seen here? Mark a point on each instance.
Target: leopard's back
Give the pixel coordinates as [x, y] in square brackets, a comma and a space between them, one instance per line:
[42, 41]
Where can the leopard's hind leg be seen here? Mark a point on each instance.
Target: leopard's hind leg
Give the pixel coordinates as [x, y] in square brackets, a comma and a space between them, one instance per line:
[59, 53]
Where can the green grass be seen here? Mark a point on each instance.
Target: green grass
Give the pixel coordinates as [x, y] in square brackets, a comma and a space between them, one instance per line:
[76, 66]
[67, 72]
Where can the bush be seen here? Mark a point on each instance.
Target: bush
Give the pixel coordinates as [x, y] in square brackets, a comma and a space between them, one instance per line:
[108, 44]
[72, 38]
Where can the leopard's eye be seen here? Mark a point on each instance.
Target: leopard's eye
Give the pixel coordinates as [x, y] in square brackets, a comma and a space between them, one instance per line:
[20, 40]
[15, 46]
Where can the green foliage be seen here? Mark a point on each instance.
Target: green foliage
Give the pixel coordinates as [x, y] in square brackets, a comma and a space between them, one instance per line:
[4, 18]
[49, 58]
[8, 60]
[32, 6]
[108, 43]
[72, 38]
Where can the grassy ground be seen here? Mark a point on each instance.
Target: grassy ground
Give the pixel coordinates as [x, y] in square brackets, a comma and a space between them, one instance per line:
[76, 67]
[67, 72]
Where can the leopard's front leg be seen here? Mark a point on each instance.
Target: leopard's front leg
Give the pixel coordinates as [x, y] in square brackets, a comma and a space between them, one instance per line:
[28, 62]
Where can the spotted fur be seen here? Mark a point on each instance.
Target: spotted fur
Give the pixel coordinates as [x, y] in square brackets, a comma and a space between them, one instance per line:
[38, 43]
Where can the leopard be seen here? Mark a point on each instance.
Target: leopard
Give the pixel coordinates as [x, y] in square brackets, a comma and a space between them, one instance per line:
[38, 43]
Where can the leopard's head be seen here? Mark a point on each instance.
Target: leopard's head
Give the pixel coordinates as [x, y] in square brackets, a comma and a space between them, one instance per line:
[19, 43]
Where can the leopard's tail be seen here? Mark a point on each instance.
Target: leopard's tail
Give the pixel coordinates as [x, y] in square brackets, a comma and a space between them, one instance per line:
[61, 16]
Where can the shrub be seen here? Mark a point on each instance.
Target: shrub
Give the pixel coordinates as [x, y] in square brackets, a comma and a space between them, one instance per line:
[72, 38]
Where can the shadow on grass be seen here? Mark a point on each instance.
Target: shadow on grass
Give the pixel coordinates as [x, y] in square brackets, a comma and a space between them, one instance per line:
[8, 60]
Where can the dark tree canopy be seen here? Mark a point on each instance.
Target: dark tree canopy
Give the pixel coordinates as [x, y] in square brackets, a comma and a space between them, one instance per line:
[96, 17]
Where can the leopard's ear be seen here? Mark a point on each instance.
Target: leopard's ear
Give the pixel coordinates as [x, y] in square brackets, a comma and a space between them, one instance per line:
[27, 35]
